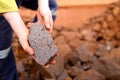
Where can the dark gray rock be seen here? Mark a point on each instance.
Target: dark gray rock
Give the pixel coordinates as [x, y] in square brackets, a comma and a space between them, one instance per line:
[63, 76]
[42, 43]
[84, 53]
[90, 75]
[109, 65]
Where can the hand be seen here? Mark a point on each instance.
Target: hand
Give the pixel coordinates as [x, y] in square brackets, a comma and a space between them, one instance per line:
[44, 14]
[20, 29]
[52, 61]
[23, 40]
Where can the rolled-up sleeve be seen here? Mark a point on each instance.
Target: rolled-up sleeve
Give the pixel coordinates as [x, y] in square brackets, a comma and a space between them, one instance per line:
[8, 6]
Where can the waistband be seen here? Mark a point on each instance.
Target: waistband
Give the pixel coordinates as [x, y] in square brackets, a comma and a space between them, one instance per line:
[4, 53]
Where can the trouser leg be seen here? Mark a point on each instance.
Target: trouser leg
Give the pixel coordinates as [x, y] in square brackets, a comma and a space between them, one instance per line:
[7, 62]
[8, 68]
[53, 7]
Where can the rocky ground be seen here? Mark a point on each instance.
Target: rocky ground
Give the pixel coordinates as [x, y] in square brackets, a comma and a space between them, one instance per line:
[90, 52]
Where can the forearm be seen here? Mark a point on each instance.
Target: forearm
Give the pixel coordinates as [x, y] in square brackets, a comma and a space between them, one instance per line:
[20, 29]
[44, 14]
[16, 22]
[40, 2]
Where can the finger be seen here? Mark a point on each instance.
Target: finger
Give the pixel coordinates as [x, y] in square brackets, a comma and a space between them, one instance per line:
[51, 25]
[47, 22]
[40, 19]
[29, 25]
[26, 47]
[47, 66]
[53, 62]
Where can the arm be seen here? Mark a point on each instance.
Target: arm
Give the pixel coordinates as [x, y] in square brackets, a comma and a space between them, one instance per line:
[44, 14]
[20, 29]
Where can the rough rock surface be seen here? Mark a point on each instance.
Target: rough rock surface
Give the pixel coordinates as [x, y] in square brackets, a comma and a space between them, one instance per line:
[42, 43]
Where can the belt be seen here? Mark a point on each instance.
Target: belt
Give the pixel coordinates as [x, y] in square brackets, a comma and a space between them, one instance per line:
[4, 53]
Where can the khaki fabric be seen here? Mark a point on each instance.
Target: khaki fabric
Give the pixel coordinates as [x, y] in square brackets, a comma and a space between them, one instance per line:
[8, 6]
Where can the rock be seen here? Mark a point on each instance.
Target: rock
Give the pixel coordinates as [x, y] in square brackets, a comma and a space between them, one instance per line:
[64, 50]
[109, 34]
[104, 25]
[84, 53]
[69, 35]
[113, 25]
[75, 71]
[63, 76]
[118, 35]
[109, 65]
[109, 17]
[23, 76]
[59, 28]
[104, 49]
[116, 10]
[90, 75]
[58, 68]
[19, 52]
[68, 78]
[42, 43]
[60, 40]
[54, 70]
[20, 67]
[49, 79]
[54, 34]
[73, 59]
[73, 29]
[88, 35]
[97, 27]
[75, 43]
[85, 66]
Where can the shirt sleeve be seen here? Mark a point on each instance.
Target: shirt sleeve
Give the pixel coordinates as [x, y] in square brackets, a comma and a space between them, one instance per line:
[8, 6]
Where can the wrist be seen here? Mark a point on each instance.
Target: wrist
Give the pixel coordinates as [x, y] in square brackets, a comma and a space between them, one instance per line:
[16, 23]
[43, 2]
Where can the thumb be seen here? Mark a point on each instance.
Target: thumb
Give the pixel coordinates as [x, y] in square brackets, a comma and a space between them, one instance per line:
[26, 47]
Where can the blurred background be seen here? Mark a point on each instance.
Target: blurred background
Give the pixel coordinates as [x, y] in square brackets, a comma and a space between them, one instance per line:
[87, 33]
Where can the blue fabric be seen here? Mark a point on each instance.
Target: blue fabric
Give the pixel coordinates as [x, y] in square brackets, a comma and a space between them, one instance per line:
[5, 34]
[33, 4]
[53, 5]
[8, 68]
[7, 65]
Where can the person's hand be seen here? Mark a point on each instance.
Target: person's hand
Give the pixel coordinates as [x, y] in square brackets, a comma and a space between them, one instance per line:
[20, 29]
[23, 40]
[44, 14]
[52, 61]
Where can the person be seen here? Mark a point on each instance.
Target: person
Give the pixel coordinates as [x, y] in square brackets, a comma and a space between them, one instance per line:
[32, 4]
[10, 20]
